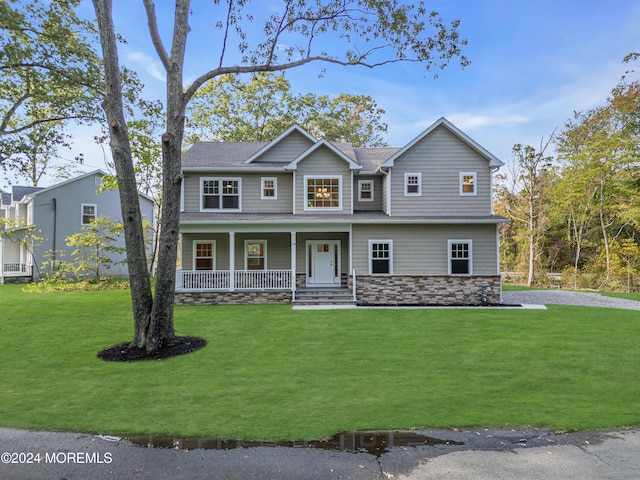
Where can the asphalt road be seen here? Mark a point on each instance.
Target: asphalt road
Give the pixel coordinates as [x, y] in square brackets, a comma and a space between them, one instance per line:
[478, 454]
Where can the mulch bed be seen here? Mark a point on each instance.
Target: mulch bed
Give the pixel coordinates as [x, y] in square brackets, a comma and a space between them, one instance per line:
[126, 353]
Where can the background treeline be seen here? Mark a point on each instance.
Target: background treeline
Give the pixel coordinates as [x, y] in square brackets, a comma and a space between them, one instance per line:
[574, 201]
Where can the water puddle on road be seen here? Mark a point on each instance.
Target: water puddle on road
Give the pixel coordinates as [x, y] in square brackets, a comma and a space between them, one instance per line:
[375, 443]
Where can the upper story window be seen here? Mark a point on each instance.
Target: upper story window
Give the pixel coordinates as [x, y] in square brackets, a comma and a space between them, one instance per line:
[323, 193]
[365, 190]
[88, 213]
[380, 257]
[269, 188]
[220, 194]
[468, 183]
[460, 257]
[412, 184]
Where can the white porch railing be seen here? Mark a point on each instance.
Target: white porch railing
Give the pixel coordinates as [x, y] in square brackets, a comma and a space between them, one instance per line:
[17, 268]
[242, 280]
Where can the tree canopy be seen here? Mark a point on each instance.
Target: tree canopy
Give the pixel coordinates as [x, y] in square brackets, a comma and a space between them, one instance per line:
[49, 74]
[233, 110]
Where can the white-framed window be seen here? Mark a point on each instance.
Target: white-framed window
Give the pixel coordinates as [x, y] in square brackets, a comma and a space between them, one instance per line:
[380, 257]
[412, 184]
[365, 190]
[255, 254]
[468, 181]
[323, 193]
[269, 188]
[460, 257]
[218, 194]
[204, 255]
[89, 212]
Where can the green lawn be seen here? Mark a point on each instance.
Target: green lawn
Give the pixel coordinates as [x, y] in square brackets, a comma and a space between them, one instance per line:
[273, 373]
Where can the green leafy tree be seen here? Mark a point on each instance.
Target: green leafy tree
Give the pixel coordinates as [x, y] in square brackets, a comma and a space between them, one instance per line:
[525, 202]
[94, 248]
[232, 110]
[372, 33]
[49, 74]
[599, 152]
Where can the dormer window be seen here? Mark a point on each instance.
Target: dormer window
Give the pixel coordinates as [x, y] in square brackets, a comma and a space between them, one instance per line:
[468, 183]
[220, 194]
[323, 193]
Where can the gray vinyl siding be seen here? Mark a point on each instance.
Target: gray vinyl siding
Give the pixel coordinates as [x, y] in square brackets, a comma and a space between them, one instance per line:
[69, 198]
[376, 204]
[278, 249]
[440, 157]
[323, 162]
[252, 192]
[251, 189]
[191, 193]
[287, 149]
[423, 249]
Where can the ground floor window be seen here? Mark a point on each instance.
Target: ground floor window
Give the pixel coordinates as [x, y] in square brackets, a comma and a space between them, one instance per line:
[204, 255]
[460, 255]
[255, 255]
[380, 257]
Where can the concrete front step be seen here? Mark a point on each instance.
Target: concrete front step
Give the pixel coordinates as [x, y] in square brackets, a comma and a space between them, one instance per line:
[334, 296]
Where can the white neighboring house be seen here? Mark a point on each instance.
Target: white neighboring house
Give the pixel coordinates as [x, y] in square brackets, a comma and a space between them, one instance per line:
[56, 212]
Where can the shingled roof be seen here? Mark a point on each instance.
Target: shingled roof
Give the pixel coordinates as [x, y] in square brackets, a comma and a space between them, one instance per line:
[234, 155]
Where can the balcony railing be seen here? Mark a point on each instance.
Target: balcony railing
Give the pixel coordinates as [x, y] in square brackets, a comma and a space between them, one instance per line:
[242, 280]
[16, 268]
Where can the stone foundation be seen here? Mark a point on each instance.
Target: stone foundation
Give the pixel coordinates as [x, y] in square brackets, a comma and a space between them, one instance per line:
[233, 298]
[376, 290]
[427, 290]
[17, 279]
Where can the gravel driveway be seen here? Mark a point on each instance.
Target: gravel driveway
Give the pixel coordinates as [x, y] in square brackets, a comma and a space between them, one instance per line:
[563, 297]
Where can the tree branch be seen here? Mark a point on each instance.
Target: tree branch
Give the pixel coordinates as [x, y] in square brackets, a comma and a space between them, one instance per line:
[152, 22]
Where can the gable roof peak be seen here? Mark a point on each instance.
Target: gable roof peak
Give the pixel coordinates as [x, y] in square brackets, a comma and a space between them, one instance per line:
[442, 121]
[289, 131]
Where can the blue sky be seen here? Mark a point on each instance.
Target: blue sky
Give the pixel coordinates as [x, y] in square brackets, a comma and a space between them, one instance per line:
[533, 63]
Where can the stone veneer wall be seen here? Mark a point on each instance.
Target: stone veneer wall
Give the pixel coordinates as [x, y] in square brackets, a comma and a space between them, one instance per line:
[426, 290]
[232, 298]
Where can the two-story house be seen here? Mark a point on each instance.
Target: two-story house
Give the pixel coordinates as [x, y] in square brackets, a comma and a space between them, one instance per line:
[52, 214]
[298, 216]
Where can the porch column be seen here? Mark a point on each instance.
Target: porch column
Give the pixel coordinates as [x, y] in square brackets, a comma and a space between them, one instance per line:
[232, 264]
[293, 262]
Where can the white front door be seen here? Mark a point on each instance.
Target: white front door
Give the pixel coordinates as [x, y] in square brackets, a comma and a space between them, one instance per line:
[323, 263]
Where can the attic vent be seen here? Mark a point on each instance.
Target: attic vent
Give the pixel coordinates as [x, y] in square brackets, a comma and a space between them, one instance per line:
[97, 181]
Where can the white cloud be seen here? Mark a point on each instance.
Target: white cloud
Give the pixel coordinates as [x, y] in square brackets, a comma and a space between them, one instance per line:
[470, 121]
[151, 66]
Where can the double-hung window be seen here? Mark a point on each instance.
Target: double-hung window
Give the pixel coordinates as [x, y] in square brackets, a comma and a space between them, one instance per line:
[365, 190]
[204, 255]
[468, 183]
[89, 212]
[412, 184]
[323, 193]
[460, 257]
[269, 188]
[380, 257]
[220, 194]
[255, 255]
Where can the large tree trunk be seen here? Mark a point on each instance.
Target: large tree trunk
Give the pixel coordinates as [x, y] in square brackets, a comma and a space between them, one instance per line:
[141, 295]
